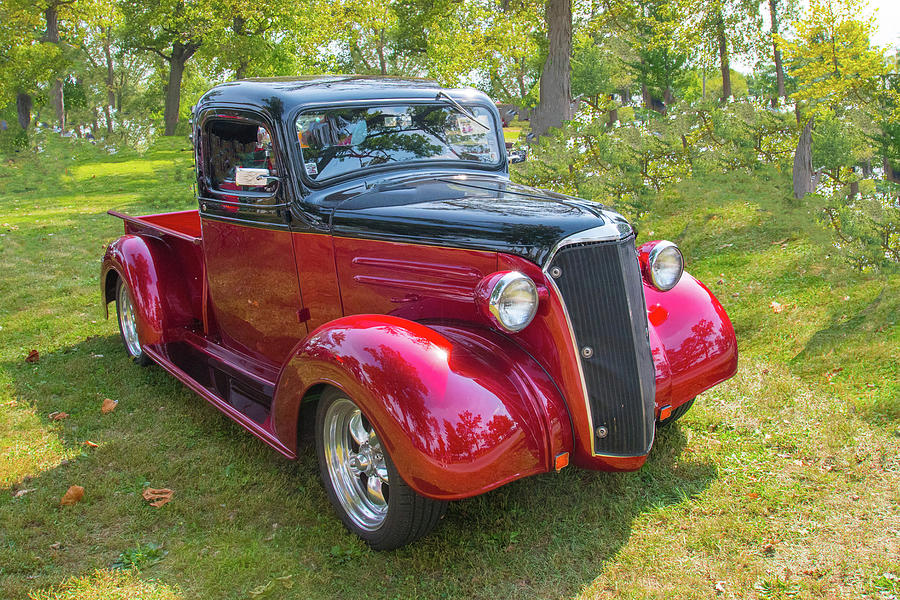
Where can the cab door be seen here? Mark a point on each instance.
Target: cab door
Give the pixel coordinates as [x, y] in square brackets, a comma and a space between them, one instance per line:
[254, 294]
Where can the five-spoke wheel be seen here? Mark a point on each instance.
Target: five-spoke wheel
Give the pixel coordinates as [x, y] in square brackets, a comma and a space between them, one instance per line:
[362, 483]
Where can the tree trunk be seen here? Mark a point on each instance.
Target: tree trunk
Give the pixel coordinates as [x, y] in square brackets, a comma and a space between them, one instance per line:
[382, 63]
[646, 98]
[23, 109]
[889, 173]
[110, 80]
[56, 88]
[181, 53]
[555, 105]
[776, 51]
[724, 63]
[803, 162]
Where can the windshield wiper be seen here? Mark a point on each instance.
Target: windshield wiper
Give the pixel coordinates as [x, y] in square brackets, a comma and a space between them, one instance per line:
[460, 109]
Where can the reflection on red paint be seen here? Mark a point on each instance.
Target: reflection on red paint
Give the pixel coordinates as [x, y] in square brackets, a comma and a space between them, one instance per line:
[657, 314]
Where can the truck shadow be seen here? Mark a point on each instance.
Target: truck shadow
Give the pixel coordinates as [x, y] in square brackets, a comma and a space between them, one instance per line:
[238, 503]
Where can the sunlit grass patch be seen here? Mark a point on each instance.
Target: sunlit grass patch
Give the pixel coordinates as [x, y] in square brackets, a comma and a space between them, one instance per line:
[108, 585]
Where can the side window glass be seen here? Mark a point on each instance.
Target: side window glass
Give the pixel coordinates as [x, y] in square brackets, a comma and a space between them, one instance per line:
[241, 162]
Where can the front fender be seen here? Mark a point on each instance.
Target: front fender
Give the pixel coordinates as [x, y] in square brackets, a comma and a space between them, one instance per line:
[691, 339]
[155, 280]
[461, 410]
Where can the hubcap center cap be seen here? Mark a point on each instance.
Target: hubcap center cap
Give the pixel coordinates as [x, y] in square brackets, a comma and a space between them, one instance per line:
[366, 461]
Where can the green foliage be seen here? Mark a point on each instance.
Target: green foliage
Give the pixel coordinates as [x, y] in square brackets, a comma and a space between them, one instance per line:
[139, 557]
[832, 58]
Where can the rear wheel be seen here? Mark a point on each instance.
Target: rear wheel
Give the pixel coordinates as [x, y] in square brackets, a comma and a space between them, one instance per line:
[676, 414]
[128, 324]
[361, 481]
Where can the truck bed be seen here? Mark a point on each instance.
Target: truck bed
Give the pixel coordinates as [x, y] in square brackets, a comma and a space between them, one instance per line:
[184, 225]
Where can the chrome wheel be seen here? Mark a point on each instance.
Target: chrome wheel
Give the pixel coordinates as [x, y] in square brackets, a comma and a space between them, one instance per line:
[128, 321]
[356, 464]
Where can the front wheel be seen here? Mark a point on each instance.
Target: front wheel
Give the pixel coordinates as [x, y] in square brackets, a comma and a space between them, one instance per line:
[128, 324]
[361, 481]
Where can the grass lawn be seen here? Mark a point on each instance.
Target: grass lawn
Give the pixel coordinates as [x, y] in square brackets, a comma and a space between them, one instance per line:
[782, 483]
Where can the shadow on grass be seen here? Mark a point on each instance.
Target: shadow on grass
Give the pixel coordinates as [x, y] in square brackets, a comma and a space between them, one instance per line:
[242, 518]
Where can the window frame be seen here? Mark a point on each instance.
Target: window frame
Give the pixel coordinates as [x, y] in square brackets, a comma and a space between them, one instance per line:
[250, 206]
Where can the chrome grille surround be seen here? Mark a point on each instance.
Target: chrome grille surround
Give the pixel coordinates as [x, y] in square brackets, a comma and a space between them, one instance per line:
[621, 408]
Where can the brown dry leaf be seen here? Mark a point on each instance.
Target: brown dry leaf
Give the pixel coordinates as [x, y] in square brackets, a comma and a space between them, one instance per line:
[22, 492]
[33, 357]
[108, 406]
[753, 495]
[72, 496]
[58, 416]
[157, 497]
[776, 307]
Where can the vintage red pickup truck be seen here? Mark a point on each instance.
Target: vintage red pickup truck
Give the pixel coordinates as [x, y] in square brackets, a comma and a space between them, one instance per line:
[361, 265]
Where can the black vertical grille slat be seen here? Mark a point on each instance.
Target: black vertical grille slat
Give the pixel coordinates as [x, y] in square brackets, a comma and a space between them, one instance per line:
[600, 284]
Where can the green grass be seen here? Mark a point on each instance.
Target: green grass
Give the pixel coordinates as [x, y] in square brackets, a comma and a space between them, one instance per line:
[784, 482]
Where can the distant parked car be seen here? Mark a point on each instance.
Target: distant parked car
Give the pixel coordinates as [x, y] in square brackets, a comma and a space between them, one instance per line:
[360, 260]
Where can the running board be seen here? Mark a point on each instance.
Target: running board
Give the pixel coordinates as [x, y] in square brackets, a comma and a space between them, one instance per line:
[261, 430]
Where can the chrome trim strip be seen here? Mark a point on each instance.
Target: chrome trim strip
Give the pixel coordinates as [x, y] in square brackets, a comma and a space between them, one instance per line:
[584, 391]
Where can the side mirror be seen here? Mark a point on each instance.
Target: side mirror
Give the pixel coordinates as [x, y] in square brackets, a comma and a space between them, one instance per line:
[253, 177]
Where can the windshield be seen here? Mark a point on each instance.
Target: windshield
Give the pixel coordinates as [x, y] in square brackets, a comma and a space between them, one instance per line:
[341, 140]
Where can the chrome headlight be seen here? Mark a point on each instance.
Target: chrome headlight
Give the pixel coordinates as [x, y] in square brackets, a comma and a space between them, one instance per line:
[510, 299]
[664, 265]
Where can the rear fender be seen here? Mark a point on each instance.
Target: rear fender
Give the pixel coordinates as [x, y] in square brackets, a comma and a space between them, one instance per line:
[692, 341]
[155, 279]
[461, 410]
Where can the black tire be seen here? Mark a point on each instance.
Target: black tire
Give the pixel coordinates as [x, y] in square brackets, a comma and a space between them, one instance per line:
[676, 414]
[404, 516]
[127, 317]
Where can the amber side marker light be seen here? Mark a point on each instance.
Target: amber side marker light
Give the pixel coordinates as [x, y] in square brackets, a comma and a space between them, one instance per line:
[562, 461]
[665, 412]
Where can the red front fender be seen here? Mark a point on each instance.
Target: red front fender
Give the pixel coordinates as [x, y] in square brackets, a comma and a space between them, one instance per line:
[692, 341]
[461, 411]
[156, 284]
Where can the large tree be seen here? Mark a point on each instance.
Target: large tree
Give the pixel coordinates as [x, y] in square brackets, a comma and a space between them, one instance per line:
[837, 70]
[173, 30]
[555, 105]
[723, 29]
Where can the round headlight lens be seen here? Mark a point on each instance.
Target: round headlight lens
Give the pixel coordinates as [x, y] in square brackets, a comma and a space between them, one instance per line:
[514, 301]
[666, 265]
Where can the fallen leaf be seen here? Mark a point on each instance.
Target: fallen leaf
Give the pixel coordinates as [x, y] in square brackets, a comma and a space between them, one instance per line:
[72, 496]
[157, 497]
[55, 546]
[33, 357]
[753, 495]
[776, 307]
[22, 492]
[108, 406]
[91, 444]
[58, 416]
